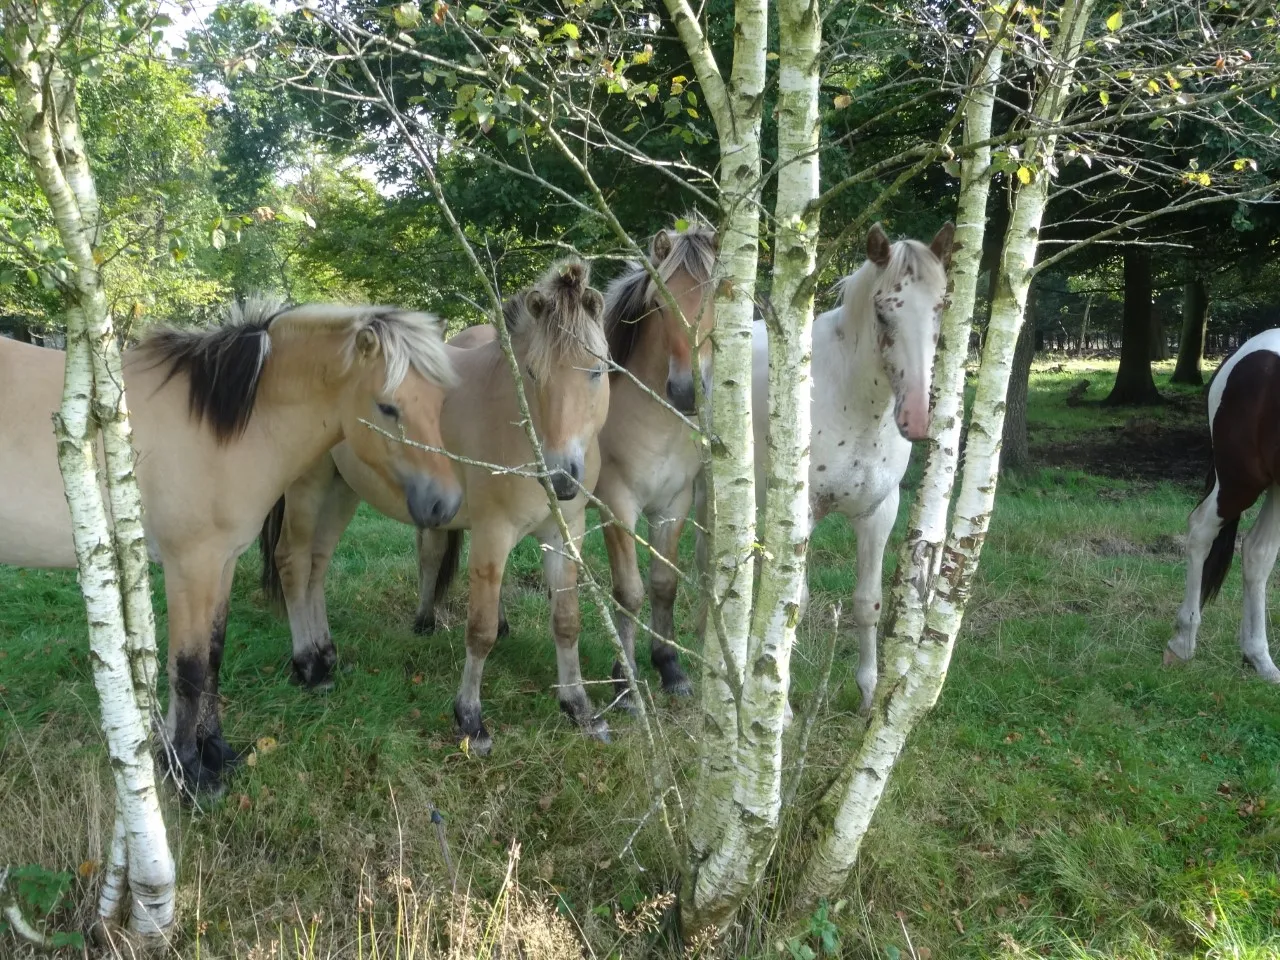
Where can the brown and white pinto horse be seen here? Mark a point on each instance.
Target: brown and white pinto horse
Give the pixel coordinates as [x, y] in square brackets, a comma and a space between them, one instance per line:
[223, 421]
[1244, 424]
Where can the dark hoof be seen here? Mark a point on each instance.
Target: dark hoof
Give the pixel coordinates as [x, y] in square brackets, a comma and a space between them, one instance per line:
[424, 625]
[195, 783]
[315, 670]
[674, 680]
[472, 729]
[217, 756]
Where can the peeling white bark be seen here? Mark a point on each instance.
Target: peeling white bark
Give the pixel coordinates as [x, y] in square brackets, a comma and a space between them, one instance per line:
[928, 622]
[109, 542]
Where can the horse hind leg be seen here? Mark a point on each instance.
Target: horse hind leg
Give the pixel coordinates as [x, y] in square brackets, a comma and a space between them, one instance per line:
[628, 587]
[873, 535]
[664, 580]
[216, 755]
[1203, 529]
[1258, 557]
[561, 575]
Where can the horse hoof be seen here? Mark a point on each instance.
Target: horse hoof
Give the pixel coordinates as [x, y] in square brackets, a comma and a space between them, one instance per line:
[678, 687]
[597, 729]
[217, 756]
[479, 744]
[315, 672]
[1171, 659]
[424, 625]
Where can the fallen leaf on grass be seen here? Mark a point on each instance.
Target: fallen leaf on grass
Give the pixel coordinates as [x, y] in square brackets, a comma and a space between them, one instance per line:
[544, 804]
[88, 868]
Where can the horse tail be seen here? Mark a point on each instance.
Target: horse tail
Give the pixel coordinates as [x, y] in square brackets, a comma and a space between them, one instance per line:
[448, 564]
[1218, 562]
[267, 541]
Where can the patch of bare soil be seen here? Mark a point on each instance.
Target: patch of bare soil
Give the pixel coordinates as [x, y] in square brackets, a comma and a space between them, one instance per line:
[1142, 449]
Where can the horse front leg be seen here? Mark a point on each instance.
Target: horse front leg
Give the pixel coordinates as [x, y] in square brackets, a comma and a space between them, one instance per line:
[624, 571]
[1202, 527]
[489, 550]
[873, 535]
[197, 602]
[561, 575]
[664, 581]
[1259, 557]
[216, 755]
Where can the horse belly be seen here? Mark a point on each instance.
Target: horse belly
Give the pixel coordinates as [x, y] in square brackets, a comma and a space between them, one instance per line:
[853, 476]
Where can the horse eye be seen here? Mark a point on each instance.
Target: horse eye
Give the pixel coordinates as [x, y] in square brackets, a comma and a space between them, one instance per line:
[597, 373]
[390, 410]
[529, 371]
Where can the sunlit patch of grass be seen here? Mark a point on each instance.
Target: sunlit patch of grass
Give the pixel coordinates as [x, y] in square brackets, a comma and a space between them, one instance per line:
[1067, 797]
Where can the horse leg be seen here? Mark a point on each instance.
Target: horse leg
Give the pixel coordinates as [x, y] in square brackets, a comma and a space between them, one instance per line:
[197, 622]
[490, 548]
[1202, 527]
[664, 579]
[628, 588]
[873, 534]
[1259, 556]
[432, 547]
[216, 755]
[561, 575]
[340, 506]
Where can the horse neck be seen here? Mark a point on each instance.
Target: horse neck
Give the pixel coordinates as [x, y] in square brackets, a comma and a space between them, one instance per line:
[650, 359]
[857, 357]
[301, 394]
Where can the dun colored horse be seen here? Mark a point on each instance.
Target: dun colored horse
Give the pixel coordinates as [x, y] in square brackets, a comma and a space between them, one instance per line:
[1244, 424]
[649, 457]
[224, 420]
[556, 333]
[872, 367]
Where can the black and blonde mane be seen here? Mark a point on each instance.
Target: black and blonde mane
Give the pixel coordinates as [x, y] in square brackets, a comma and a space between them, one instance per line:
[633, 298]
[557, 318]
[224, 366]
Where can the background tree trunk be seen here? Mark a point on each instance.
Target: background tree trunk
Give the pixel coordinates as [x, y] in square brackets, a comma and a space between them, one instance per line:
[1134, 383]
[1015, 454]
[1195, 320]
[1159, 339]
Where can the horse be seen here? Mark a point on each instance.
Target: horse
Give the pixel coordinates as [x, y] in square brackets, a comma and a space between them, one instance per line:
[872, 372]
[557, 336]
[223, 421]
[1244, 429]
[649, 455]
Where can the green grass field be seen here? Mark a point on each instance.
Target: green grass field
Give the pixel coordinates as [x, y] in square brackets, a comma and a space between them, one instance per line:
[1068, 797]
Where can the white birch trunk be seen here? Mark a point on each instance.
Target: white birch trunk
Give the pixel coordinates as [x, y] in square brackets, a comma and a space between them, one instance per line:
[916, 675]
[748, 820]
[736, 110]
[112, 557]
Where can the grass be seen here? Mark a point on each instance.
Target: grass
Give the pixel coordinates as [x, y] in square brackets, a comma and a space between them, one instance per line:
[1067, 798]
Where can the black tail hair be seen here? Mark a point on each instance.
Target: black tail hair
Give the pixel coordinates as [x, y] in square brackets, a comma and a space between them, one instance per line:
[272, 587]
[448, 564]
[1218, 562]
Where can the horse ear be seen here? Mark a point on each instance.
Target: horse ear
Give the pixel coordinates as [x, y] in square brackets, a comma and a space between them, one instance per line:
[367, 344]
[878, 250]
[594, 303]
[660, 247]
[536, 302]
[943, 242]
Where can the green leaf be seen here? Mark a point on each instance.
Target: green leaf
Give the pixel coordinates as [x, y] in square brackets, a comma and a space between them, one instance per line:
[1024, 175]
[406, 15]
[1104, 97]
[218, 239]
[475, 14]
[682, 225]
[1114, 21]
[513, 134]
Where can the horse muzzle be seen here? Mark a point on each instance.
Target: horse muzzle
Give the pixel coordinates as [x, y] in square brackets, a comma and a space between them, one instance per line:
[680, 392]
[567, 472]
[912, 418]
[430, 505]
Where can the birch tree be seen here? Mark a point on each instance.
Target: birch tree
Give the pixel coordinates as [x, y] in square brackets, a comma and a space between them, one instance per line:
[938, 566]
[109, 541]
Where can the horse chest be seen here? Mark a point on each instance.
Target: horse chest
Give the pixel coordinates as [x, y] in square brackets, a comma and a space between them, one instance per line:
[851, 472]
